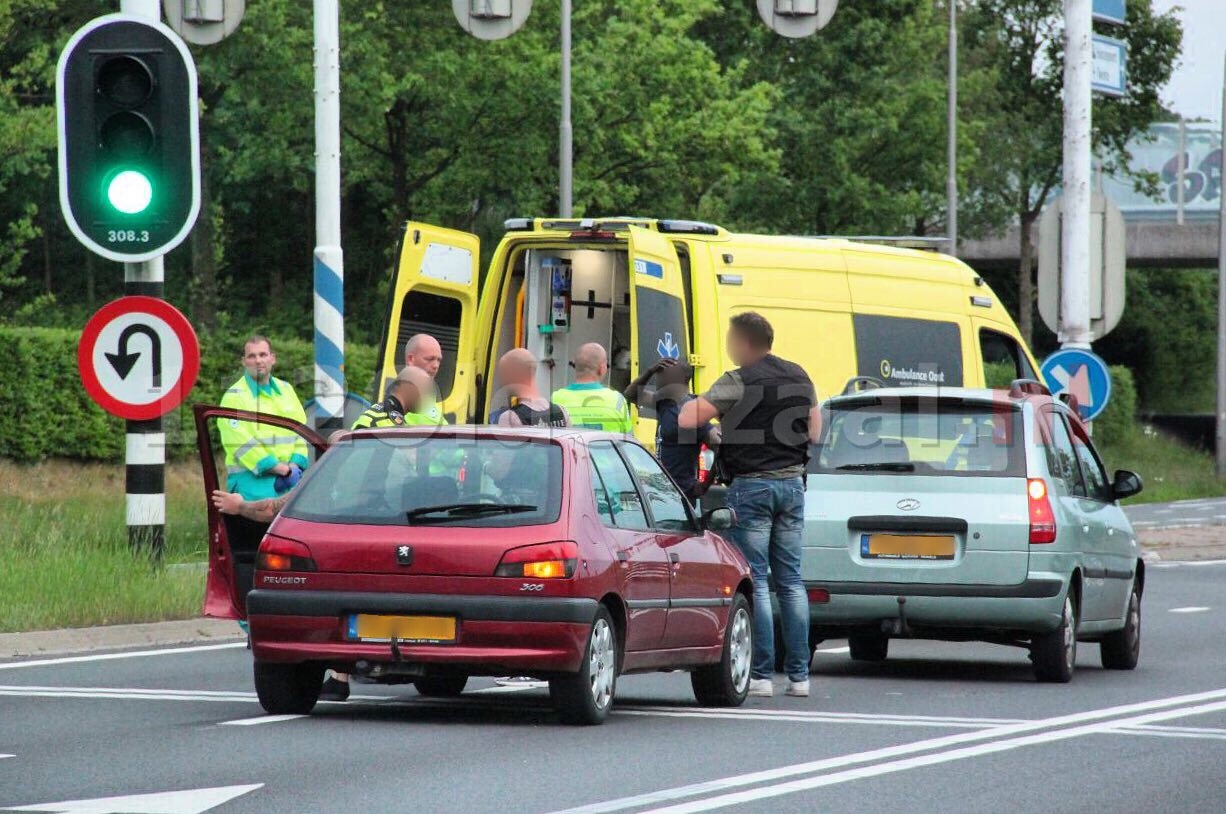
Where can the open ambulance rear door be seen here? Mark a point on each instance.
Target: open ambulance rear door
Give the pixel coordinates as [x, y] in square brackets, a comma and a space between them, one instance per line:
[434, 291]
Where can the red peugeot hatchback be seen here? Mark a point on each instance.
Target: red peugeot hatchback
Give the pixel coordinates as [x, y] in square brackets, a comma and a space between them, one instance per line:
[429, 555]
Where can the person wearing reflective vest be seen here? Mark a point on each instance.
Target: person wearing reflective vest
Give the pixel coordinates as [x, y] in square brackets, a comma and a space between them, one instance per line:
[400, 406]
[589, 403]
[424, 352]
[262, 461]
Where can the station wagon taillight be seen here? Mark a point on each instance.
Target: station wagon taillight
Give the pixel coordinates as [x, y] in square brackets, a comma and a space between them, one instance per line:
[540, 561]
[279, 554]
[1042, 518]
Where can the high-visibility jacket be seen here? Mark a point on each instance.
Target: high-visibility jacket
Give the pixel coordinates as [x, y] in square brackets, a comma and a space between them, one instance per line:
[388, 413]
[252, 448]
[595, 407]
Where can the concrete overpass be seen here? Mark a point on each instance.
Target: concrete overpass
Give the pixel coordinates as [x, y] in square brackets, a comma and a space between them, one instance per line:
[1150, 244]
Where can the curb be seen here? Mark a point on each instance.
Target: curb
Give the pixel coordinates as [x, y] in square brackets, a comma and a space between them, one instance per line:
[118, 637]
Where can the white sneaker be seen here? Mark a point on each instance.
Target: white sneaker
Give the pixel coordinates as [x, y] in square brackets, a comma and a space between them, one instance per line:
[798, 689]
[761, 688]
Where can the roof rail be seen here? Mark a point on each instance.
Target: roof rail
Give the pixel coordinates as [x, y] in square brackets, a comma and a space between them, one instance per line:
[870, 383]
[1028, 387]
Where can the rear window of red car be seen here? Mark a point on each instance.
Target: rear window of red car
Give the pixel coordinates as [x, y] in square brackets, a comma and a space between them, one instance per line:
[439, 481]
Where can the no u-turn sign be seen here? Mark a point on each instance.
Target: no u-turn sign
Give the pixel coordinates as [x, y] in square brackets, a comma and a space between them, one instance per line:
[138, 357]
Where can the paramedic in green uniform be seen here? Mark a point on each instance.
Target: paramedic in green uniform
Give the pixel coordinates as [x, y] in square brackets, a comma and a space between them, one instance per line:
[588, 402]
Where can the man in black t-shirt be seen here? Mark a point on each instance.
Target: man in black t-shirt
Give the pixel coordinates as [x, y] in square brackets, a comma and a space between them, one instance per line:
[768, 416]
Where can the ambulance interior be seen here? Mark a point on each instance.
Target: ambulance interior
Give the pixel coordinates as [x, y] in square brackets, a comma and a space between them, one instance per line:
[559, 299]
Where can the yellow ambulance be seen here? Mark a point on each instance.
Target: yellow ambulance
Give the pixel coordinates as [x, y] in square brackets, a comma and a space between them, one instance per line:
[647, 288]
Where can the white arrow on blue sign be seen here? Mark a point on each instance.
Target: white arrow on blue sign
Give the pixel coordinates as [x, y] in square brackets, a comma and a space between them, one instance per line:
[1083, 375]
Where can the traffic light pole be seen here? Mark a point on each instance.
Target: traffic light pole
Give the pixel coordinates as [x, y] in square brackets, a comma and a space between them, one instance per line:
[329, 259]
[145, 441]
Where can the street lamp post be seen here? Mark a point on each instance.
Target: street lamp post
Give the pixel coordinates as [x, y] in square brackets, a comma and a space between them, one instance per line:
[951, 182]
[566, 151]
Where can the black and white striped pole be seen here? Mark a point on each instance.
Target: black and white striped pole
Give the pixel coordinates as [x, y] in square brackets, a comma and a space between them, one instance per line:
[145, 441]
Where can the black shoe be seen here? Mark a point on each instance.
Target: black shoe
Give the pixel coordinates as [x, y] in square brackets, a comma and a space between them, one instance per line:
[334, 690]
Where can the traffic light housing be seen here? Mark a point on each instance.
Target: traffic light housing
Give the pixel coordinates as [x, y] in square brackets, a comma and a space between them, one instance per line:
[129, 138]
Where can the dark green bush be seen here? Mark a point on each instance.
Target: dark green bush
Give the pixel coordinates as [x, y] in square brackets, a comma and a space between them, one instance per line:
[1118, 422]
[47, 413]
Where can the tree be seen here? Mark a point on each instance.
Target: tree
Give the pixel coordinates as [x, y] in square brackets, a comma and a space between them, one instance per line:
[1020, 43]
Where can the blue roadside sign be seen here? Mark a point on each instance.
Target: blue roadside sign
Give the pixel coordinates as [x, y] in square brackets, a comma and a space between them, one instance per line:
[1082, 374]
[1110, 69]
[1109, 11]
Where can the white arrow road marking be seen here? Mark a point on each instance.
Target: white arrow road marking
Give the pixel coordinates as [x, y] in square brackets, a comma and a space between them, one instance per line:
[1190, 609]
[188, 801]
[132, 654]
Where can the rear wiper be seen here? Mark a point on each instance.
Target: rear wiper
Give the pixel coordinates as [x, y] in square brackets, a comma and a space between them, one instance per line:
[452, 510]
[897, 466]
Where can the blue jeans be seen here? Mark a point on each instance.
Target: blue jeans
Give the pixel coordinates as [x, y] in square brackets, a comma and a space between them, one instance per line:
[770, 516]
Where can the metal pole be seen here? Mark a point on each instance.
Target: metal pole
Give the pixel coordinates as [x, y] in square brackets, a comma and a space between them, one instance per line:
[329, 260]
[951, 183]
[1075, 236]
[1220, 429]
[565, 134]
[145, 441]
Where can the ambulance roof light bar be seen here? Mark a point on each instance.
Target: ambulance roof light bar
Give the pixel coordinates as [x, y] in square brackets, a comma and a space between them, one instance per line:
[931, 244]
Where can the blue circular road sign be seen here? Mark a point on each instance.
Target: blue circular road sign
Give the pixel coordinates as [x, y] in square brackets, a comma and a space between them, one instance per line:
[1083, 375]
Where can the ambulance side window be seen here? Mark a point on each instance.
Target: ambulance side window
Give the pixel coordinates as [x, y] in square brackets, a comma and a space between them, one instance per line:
[439, 316]
[1003, 359]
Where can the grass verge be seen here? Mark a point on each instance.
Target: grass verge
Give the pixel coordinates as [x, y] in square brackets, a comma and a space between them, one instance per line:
[1171, 470]
[65, 555]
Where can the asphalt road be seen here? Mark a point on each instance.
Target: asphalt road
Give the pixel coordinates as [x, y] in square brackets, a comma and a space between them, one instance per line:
[937, 728]
[1201, 512]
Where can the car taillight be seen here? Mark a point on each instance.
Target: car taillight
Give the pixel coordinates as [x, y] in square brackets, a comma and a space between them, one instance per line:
[1042, 518]
[279, 554]
[819, 596]
[540, 561]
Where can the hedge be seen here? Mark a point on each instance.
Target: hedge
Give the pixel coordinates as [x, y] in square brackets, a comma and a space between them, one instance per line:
[1118, 422]
[48, 414]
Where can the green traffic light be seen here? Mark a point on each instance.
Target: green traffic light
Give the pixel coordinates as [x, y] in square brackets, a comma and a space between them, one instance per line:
[130, 192]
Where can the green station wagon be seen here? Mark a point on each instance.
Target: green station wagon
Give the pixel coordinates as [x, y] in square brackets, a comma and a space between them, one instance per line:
[958, 514]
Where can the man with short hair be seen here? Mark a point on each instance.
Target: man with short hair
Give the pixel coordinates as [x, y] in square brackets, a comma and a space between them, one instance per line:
[769, 415]
[401, 403]
[590, 404]
[516, 377]
[262, 461]
[424, 352]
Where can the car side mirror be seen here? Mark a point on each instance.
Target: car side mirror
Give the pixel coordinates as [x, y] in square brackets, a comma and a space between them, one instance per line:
[720, 519]
[1126, 484]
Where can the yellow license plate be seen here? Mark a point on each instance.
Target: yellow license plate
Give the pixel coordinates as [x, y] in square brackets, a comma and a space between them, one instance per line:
[907, 546]
[369, 627]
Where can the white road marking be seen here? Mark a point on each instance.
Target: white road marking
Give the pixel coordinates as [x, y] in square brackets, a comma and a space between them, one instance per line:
[890, 752]
[945, 756]
[535, 685]
[1190, 609]
[263, 719]
[804, 718]
[187, 801]
[2, 757]
[830, 651]
[169, 651]
[1185, 563]
[1160, 733]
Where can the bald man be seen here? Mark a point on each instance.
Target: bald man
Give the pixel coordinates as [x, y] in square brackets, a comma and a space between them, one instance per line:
[516, 376]
[423, 352]
[589, 402]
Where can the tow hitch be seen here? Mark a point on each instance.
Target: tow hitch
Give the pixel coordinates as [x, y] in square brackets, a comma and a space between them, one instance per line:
[897, 627]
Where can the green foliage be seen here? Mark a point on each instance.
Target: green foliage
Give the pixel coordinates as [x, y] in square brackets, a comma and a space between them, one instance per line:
[47, 416]
[1170, 470]
[1167, 336]
[1118, 422]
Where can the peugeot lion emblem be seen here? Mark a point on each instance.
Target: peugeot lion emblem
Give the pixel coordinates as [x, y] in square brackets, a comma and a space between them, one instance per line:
[908, 504]
[404, 555]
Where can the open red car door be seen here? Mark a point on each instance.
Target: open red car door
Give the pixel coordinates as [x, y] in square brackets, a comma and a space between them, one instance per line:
[233, 540]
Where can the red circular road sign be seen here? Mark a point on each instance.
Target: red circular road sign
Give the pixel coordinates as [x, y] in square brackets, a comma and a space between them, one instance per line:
[138, 357]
